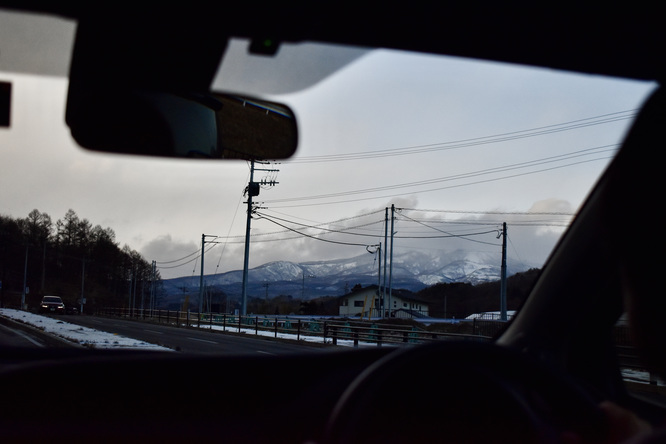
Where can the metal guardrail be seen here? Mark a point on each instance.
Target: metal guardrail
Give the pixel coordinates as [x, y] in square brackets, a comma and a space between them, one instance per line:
[331, 331]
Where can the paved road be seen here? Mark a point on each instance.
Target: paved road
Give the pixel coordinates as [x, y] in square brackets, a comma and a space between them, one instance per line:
[11, 336]
[192, 340]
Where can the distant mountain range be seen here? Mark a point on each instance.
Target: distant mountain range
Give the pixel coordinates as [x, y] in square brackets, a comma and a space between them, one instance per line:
[411, 271]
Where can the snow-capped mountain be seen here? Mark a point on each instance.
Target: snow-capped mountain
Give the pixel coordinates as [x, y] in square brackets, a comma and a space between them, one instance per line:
[411, 271]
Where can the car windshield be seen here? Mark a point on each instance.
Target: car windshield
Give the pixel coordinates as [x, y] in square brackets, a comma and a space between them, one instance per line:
[450, 233]
[52, 299]
[418, 180]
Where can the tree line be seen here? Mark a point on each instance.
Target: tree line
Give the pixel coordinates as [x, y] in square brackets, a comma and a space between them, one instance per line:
[459, 300]
[455, 300]
[71, 258]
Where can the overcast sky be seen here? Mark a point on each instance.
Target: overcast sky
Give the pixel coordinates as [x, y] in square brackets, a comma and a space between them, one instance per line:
[443, 139]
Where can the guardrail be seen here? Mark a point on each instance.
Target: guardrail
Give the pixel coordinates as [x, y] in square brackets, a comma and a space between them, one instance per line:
[331, 331]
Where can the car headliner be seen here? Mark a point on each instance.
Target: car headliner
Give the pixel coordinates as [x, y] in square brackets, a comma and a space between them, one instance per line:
[616, 39]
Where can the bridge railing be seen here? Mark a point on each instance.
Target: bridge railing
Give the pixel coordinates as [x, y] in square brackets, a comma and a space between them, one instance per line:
[328, 330]
[335, 331]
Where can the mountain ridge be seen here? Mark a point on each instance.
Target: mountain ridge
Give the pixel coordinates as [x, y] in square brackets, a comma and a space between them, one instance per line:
[411, 271]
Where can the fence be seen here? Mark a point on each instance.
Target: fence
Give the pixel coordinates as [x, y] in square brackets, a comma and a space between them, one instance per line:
[331, 331]
[335, 331]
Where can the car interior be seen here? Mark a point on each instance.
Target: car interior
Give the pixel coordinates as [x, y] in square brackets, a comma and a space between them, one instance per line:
[540, 380]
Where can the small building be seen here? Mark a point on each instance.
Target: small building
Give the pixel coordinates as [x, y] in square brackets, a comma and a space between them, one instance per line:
[367, 303]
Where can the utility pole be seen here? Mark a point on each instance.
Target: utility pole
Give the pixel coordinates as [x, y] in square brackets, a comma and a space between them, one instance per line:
[384, 302]
[201, 277]
[252, 190]
[391, 266]
[25, 278]
[83, 282]
[43, 266]
[136, 276]
[153, 267]
[303, 285]
[129, 302]
[503, 315]
[379, 282]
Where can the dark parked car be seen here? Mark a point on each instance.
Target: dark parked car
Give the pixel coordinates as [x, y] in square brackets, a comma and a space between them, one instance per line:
[52, 304]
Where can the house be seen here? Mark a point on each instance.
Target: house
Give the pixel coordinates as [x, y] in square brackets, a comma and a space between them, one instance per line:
[367, 303]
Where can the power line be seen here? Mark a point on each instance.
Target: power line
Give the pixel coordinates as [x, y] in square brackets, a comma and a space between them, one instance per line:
[386, 196]
[329, 230]
[323, 227]
[318, 238]
[178, 260]
[233, 219]
[194, 259]
[471, 174]
[447, 234]
[501, 213]
[484, 140]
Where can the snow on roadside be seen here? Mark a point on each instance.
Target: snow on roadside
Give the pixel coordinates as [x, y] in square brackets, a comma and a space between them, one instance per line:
[302, 337]
[84, 336]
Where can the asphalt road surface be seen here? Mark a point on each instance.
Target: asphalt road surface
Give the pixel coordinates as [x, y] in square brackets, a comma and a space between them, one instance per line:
[14, 337]
[193, 340]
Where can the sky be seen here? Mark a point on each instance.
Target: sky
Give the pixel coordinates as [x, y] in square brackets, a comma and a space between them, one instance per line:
[457, 146]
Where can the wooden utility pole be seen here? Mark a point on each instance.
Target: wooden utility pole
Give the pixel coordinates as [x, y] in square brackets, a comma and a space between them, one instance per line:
[503, 314]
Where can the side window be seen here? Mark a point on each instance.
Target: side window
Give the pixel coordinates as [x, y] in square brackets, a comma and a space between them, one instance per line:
[635, 374]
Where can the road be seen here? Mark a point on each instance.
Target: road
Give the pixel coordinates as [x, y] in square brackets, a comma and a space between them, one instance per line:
[192, 340]
[14, 337]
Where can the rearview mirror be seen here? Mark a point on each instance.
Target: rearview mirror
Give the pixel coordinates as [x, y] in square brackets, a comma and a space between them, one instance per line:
[215, 126]
[139, 84]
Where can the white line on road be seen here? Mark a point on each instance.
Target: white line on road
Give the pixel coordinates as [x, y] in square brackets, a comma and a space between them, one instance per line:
[23, 335]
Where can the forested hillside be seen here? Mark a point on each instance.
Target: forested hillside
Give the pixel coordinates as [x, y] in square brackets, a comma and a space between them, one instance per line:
[459, 300]
[68, 257]
[456, 300]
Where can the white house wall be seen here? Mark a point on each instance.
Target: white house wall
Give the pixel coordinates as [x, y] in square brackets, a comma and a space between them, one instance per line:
[353, 305]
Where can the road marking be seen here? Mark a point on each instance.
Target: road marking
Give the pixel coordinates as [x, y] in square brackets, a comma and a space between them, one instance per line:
[23, 335]
[153, 331]
[265, 352]
[204, 340]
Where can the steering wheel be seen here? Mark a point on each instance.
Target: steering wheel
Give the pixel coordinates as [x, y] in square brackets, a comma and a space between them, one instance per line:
[463, 392]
